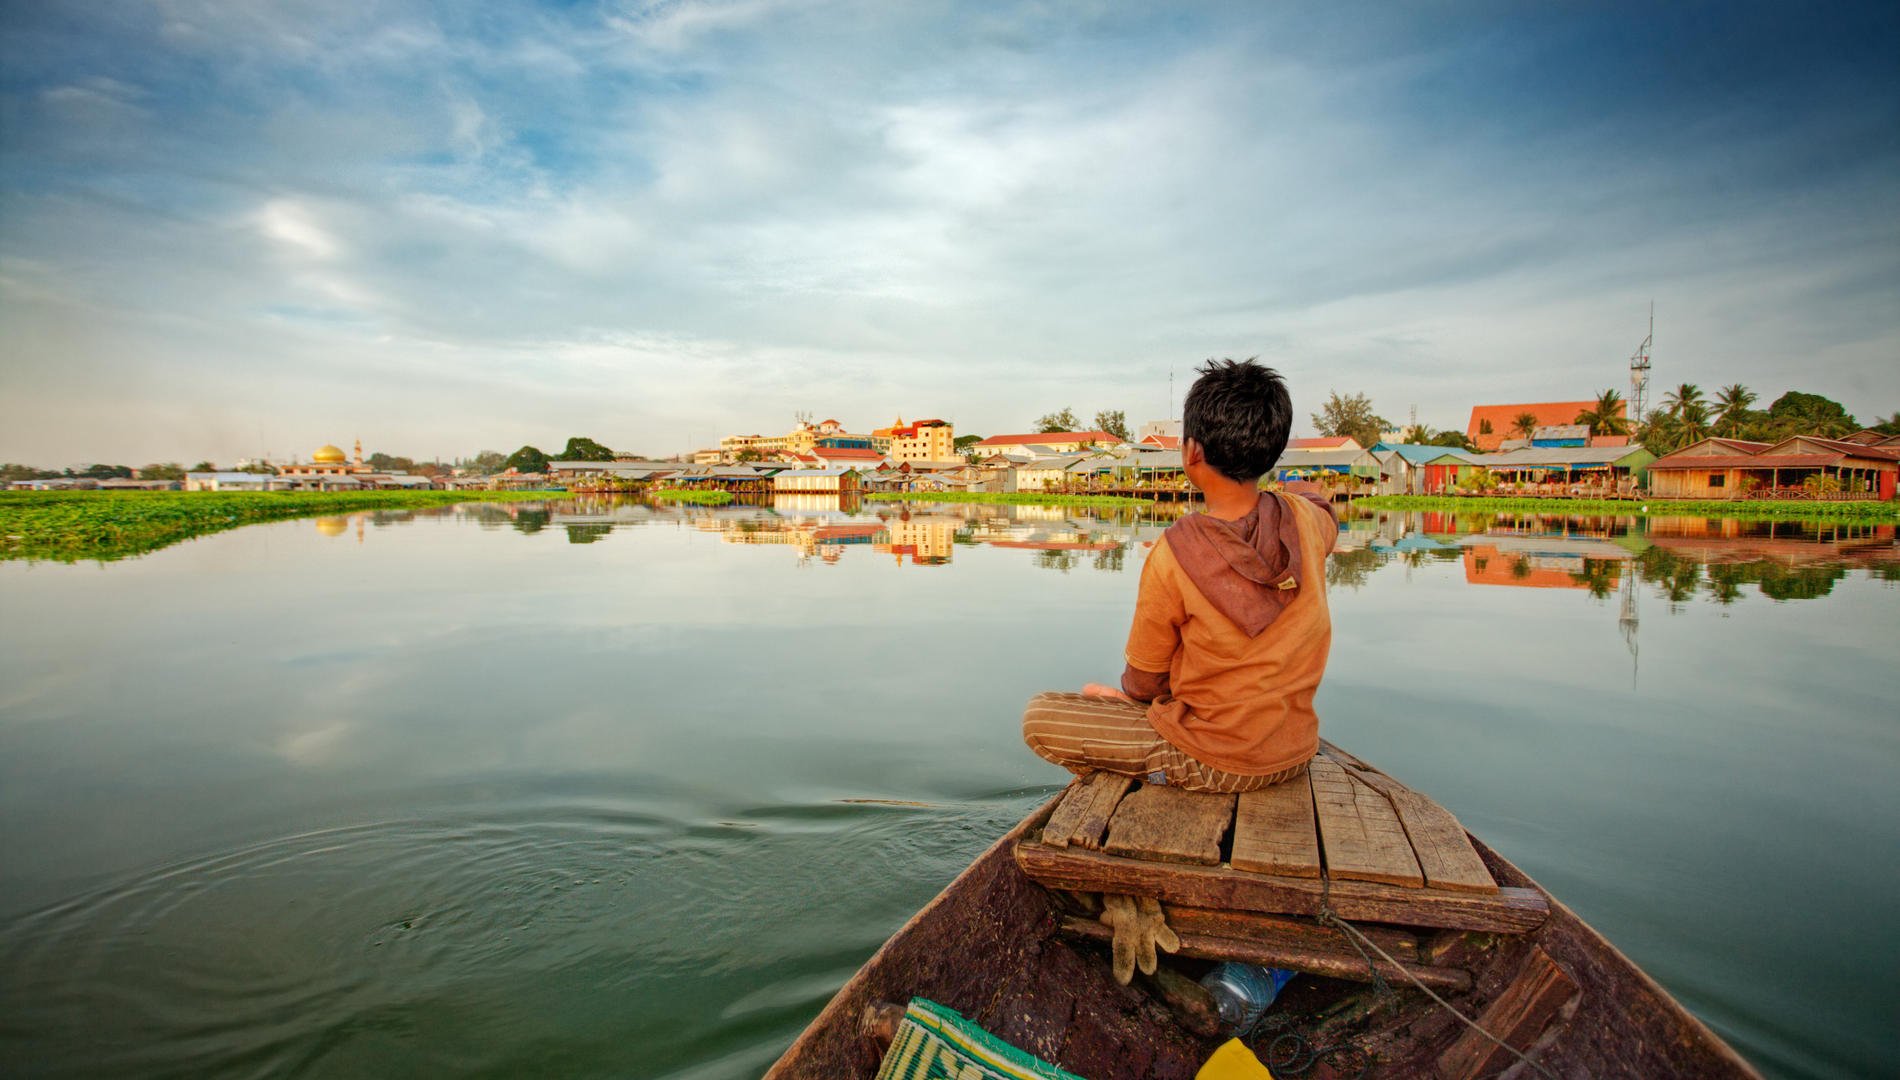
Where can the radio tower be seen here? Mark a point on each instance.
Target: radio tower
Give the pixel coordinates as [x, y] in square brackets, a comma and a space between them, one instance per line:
[1639, 372]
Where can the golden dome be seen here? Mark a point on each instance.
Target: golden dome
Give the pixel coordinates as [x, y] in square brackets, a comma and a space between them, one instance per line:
[328, 455]
[333, 526]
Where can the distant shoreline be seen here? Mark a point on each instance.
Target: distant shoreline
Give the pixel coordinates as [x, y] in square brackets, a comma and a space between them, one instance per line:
[1876, 513]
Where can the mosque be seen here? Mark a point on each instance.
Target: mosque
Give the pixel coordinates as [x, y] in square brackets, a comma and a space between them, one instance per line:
[327, 467]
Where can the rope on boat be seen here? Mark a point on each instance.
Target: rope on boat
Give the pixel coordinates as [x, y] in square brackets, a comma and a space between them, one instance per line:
[1292, 1054]
[1355, 938]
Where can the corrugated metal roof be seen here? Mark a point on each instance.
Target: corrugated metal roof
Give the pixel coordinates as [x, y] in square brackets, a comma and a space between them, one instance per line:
[1054, 461]
[1419, 455]
[1558, 455]
[1159, 459]
[1050, 436]
[1747, 461]
[835, 470]
[1841, 446]
[1315, 459]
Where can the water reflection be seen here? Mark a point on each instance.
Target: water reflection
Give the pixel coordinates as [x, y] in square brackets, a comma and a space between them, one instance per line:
[1676, 559]
[647, 782]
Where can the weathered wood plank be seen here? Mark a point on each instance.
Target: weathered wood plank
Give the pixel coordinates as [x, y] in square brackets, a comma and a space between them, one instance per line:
[1328, 750]
[1082, 815]
[1344, 964]
[1508, 911]
[1170, 824]
[1275, 831]
[1109, 790]
[1359, 831]
[1285, 930]
[1517, 1016]
[1444, 852]
[1067, 815]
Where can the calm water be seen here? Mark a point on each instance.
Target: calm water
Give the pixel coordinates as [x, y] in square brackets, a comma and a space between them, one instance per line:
[611, 790]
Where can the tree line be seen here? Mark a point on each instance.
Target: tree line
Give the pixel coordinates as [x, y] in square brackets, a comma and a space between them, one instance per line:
[1113, 421]
[1685, 416]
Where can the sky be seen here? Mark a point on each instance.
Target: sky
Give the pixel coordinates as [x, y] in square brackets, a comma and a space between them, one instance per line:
[230, 229]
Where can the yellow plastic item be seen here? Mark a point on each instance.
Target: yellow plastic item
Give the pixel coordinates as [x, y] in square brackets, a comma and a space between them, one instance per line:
[1233, 1061]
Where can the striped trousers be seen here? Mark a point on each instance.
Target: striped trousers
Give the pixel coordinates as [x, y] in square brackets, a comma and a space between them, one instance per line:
[1084, 734]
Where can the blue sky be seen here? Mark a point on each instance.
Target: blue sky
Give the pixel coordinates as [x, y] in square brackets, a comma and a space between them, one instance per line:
[228, 227]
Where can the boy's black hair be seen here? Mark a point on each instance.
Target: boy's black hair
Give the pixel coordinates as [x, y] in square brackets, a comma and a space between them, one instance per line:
[1240, 413]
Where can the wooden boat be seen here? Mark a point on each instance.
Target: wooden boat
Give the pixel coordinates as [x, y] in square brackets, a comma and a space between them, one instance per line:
[1027, 962]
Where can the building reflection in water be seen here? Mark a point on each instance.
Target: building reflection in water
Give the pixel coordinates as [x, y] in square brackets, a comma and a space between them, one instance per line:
[1676, 559]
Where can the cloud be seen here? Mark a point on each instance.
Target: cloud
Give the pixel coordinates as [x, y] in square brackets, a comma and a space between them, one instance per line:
[289, 223]
[656, 224]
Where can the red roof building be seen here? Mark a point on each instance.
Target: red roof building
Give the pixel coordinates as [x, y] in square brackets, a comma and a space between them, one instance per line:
[1492, 424]
[1056, 439]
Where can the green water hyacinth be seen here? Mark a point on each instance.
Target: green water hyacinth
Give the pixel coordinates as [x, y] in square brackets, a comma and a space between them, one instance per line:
[695, 497]
[68, 526]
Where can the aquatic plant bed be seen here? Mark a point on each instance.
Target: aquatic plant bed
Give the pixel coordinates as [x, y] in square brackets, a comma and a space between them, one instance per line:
[1759, 510]
[67, 526]
[1021, 498]
[697, 498]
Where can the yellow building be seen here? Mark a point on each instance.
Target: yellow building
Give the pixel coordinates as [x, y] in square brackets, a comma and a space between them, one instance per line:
[925, 440]
[928, 540]
[801, 440]
[327, 461]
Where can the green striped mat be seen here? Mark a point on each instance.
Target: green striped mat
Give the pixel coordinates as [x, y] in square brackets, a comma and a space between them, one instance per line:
[935, 1042]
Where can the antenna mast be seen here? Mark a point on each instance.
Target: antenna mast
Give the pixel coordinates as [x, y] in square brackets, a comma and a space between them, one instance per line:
[1639, 372]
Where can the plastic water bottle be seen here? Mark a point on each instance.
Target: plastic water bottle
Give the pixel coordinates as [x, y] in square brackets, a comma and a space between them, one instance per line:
[1242, 992]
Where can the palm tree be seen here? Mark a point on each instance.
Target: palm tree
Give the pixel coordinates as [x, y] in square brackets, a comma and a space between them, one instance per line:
[1731, 408]
[1524, 424]
[1606, 416]
[1682, 397]
[1695, 422]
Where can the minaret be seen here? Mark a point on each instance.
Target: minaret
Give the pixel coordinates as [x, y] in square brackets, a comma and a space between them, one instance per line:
[358, 461]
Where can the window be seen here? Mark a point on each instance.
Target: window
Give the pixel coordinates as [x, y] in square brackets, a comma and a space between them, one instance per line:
[1717, 479]
[1484, 427]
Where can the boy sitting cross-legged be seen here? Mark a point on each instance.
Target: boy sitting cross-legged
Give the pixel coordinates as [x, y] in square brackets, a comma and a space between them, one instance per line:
[1231, 629]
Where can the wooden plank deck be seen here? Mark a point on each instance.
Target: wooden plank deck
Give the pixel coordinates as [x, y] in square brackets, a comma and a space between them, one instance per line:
[1359, 831]
[1347, 835]
[1168, 824]
[1275, 833]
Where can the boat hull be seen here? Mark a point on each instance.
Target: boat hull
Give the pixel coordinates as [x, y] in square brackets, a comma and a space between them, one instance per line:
[989, 945]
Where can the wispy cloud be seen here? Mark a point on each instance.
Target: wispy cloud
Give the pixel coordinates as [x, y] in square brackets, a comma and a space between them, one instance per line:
[656, 223]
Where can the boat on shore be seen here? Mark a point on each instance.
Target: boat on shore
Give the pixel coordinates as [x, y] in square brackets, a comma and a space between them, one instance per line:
[1013, 948]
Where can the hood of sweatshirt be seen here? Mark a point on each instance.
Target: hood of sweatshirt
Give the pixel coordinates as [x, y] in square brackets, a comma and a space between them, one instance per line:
[1248, 569]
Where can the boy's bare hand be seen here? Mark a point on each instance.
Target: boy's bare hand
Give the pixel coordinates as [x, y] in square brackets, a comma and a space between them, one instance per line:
[1096, 689]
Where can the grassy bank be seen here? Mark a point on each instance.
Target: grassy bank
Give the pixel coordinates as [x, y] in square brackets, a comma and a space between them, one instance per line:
[1865, 512]
[1022, 498]
[697, 498]
[67, 526]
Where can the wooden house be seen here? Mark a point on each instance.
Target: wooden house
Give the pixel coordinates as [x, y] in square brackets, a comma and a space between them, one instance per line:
[829, 481]
[1734, 469]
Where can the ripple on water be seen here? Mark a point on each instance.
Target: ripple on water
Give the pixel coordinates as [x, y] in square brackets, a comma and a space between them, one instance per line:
[573, 938]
